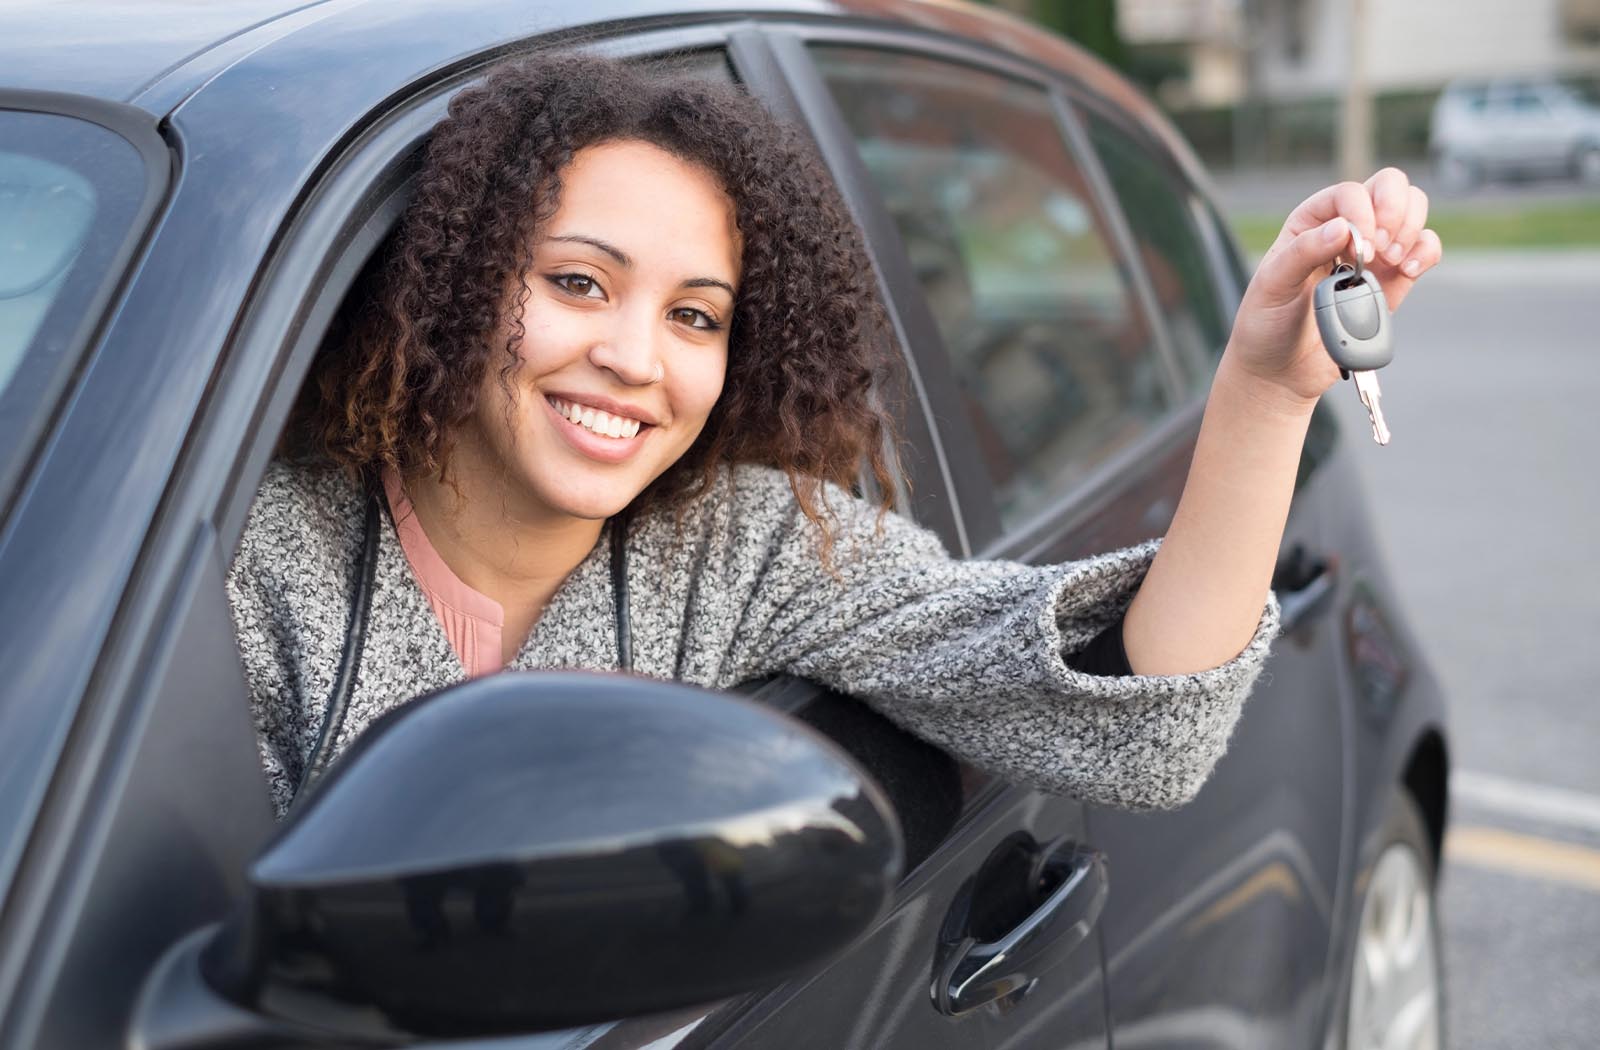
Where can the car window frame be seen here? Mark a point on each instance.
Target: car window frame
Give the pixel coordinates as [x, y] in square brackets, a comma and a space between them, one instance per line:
[359, 197]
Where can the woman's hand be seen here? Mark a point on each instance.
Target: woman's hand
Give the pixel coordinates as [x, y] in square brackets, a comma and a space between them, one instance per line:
[1275, 346]
[1201, 600]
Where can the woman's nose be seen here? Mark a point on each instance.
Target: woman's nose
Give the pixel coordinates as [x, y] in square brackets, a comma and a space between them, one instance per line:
[631, 350]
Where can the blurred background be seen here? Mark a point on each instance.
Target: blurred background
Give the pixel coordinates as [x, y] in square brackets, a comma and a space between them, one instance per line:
[1488, 497]
[1493, 105]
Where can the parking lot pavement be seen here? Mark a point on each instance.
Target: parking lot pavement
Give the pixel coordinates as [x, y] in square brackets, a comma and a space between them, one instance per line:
[1521, 914]
[1487, 505]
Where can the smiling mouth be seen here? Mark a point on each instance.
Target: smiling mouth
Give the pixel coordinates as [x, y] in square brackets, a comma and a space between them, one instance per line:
[603, 424]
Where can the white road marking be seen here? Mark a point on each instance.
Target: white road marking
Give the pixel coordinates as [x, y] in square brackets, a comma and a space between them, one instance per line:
[1496, 269]
[1518, 798]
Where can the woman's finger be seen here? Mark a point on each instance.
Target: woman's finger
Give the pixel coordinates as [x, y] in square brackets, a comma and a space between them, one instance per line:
[1390, 200]
[1425, 255]
[1348, 199]
[1287, 269]
[1406, 237]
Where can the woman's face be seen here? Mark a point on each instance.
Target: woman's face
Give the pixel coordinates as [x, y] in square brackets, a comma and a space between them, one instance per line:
[625, 335]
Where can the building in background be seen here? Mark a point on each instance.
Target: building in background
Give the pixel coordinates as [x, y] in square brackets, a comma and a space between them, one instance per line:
[1259, 81]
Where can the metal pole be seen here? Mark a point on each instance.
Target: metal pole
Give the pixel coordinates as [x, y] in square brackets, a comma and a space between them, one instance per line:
[1356, 116]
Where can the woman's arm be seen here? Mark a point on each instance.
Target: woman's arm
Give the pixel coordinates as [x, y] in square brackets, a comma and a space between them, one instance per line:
[970, 655]
[1201, 601]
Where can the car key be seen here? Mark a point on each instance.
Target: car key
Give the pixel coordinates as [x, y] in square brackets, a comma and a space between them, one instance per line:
[1353, 318]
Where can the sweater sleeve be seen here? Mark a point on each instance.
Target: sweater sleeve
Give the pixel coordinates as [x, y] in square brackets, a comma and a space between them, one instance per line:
[977, 657]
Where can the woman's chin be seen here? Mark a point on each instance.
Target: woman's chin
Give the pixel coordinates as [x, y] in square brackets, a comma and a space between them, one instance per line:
[592, 502]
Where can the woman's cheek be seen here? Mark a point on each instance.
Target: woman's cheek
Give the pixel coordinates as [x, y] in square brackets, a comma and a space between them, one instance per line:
[708, 384]
[548, 339]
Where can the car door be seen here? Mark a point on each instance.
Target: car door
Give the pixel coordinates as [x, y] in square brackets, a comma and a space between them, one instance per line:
[1043, 359]
[1082, 294]
[1224, 937]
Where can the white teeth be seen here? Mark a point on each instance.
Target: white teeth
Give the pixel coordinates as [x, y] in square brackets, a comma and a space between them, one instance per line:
[596, 421]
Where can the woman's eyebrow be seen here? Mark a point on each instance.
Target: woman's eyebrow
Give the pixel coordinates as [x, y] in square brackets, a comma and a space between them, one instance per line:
[710, 282]
[595, 242]
[623, 258]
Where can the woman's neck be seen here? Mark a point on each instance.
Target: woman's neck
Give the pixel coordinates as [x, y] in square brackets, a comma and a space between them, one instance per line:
[507, 549]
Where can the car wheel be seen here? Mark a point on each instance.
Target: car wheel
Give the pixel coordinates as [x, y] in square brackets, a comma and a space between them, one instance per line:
[1587, 164]
[1395, 997]
[1456, 171]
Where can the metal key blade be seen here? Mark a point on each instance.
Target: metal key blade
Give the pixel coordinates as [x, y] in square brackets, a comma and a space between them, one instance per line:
[1372, 397]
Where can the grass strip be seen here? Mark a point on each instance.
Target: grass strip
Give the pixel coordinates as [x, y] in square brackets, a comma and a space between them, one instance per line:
[1535, 226]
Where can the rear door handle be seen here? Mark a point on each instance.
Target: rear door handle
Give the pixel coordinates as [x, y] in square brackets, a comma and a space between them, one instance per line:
[975, 972]
[1305, 585]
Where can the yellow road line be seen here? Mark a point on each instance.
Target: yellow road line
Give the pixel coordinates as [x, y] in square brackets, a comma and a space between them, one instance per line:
[1540, 858]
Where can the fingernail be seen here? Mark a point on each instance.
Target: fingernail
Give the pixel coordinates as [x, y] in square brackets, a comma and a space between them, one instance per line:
[1381, 239]
[1412, 268]
[1366, 253]
[1395, 253]
[1334, 229]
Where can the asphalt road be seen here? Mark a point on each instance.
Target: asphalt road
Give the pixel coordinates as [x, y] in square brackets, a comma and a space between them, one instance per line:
[1489, 507]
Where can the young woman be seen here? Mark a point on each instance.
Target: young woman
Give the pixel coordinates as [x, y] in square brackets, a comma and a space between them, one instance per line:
[624, 307]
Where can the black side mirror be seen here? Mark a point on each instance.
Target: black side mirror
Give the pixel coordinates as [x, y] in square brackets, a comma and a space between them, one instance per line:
[537, 851]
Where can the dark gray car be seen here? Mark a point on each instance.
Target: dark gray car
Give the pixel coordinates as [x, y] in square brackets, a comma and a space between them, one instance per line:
[186, 194]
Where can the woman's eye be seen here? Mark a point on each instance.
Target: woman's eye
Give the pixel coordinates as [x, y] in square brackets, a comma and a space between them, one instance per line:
[695, 318]
[579, 284]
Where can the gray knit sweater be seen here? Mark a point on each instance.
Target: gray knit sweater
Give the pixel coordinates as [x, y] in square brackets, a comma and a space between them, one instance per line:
[966, 654]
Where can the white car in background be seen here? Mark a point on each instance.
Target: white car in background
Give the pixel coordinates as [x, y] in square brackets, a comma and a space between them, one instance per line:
[1511, 127]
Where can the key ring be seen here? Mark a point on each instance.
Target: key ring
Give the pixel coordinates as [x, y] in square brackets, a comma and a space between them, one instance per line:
[1358, 248]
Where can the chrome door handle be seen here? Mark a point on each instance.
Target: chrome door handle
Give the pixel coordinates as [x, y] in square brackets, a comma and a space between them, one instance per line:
[974, 973]
[1305, 585]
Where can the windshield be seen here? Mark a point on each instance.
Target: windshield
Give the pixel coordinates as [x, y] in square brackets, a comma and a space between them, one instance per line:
[69, 190]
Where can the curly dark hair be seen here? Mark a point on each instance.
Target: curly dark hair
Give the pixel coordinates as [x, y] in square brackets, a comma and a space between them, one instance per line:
[809, 358]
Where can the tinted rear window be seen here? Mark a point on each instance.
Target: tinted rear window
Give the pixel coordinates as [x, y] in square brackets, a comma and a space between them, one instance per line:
[69, 190]
[1057, 364]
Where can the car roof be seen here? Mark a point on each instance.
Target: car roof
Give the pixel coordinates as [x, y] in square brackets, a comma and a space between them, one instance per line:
[123, 51]
[111, 49]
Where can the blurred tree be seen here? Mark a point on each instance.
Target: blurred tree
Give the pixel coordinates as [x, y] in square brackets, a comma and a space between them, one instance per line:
[1091, 23]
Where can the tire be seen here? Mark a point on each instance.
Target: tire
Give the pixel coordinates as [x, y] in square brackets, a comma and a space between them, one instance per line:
[1394, 984]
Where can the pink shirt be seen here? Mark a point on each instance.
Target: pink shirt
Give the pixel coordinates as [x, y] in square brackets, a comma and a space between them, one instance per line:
[473, 622]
